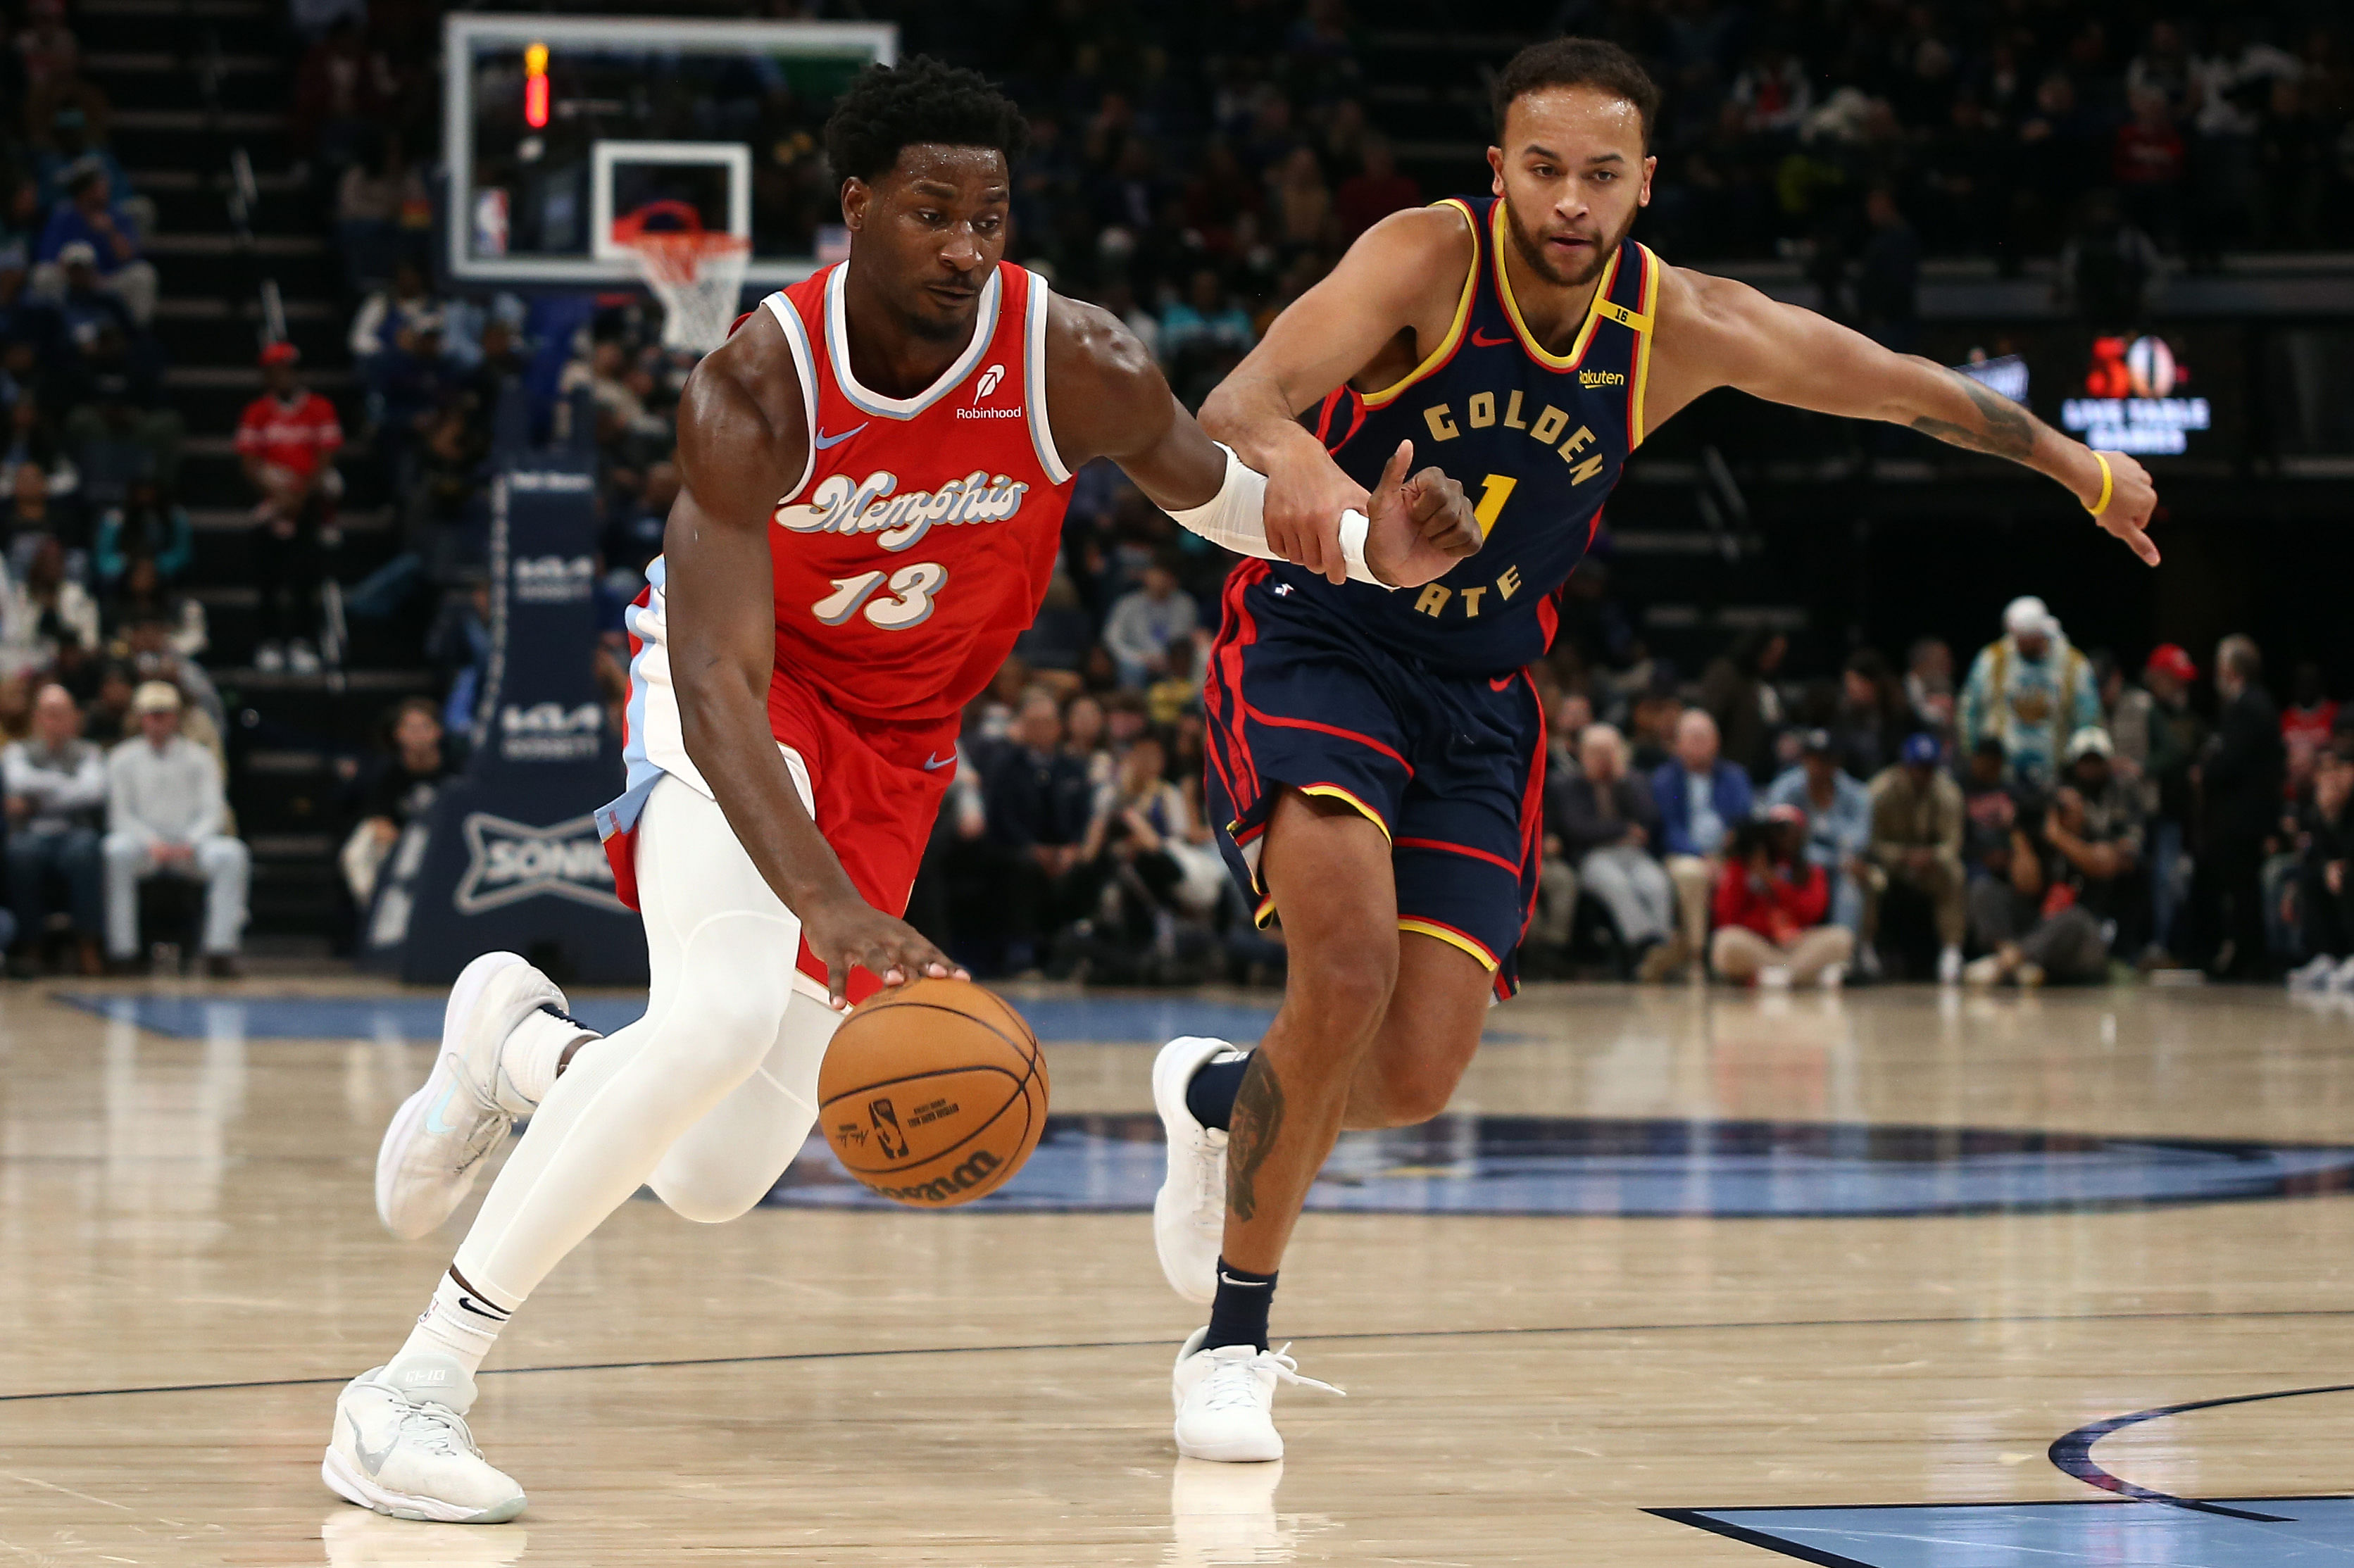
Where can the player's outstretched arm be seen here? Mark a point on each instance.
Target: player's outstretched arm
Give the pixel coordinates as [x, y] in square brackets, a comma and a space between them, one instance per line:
[742, 443]
[1408, 266]
[1713, 332]
[1108, 399]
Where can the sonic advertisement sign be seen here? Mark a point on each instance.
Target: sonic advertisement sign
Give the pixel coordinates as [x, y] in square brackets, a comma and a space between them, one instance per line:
[2134, 400]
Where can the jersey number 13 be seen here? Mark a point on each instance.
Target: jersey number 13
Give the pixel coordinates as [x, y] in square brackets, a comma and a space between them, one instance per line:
[907, 601]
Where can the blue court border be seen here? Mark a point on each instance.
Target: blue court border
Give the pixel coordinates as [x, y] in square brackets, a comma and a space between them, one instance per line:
[2071, 1453]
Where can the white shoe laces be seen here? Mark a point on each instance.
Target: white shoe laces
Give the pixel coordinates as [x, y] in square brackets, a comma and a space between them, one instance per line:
[437, 1429]
[1233, 1384]
[492, 1120]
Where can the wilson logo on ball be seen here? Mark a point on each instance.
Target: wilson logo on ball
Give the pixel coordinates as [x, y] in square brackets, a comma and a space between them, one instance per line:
[964, 1179]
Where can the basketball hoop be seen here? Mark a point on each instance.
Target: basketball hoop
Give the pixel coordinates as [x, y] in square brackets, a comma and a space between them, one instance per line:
[697, 273]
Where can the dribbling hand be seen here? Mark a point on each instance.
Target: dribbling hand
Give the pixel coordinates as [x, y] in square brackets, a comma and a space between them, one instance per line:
[854, 932]
[1421, 527]
[2132, 498]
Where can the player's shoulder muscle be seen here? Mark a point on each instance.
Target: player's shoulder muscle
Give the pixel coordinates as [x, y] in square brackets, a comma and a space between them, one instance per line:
[1406, 260]
[1103, 387]
[743, 432]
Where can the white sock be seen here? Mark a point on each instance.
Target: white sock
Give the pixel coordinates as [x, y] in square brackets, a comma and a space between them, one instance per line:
[531, 1055]
[459, 1323]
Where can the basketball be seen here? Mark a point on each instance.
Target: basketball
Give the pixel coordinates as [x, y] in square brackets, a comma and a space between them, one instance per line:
[933, 1093]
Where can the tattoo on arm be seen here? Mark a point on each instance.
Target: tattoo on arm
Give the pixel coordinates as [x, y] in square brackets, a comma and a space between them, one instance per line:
[1251, 1132]
[2004, 429]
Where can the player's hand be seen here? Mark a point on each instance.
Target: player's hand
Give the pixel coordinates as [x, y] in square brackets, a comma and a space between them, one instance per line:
[1305, 497]
[2132, 498]
[854, 932]
[1420, 526]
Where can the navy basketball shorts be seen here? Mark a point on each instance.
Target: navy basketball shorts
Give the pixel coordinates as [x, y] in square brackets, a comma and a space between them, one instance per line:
[1450, 768]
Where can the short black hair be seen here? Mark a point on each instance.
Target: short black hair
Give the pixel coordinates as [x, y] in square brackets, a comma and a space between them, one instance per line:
[1577, 62]
[891, 107]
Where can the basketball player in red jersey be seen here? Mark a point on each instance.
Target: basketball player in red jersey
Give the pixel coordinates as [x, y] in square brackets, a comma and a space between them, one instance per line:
[875, 468]
[1376, 758]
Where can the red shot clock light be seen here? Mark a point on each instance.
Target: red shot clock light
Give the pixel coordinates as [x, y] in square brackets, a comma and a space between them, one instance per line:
[535, 87]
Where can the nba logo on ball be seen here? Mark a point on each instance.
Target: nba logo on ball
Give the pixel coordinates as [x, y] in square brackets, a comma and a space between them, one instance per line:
[933, 1093]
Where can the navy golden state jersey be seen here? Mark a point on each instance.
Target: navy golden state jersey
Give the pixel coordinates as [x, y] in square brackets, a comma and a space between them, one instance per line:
[1536, 439]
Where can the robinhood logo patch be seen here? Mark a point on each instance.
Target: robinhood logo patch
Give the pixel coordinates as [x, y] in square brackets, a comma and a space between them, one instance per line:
[508, 861]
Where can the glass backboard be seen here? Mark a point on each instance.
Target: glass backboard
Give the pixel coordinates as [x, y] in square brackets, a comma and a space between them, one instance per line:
[555, 126]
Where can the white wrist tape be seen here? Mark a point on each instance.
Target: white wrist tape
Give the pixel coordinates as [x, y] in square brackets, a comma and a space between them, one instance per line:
[1234, 519]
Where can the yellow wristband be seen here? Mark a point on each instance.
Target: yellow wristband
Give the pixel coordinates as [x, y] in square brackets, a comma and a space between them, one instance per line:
[2108, 484]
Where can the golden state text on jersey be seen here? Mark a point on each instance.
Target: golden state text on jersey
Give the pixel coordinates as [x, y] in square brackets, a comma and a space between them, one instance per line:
[1535, 438]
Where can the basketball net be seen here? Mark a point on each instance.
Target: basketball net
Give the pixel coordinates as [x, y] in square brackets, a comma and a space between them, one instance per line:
[697, 273]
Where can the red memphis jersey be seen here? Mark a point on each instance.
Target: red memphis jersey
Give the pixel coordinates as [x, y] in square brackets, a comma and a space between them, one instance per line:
[292, 437]
[920, 541]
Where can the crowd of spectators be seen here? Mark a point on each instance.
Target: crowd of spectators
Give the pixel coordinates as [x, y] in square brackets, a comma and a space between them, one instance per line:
[111, 752]
[1196, 169]
[2054, 820]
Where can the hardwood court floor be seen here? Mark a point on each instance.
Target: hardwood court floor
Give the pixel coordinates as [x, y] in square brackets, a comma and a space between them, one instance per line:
[190, 1264]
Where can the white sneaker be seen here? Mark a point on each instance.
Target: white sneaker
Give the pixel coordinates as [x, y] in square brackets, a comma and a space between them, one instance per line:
[1226, 1400]
[1774, 976]
[401, 1447]
[1831, 977]
[436, 1141]
[2342, 978]
[2314, 974]
[269, 659]
[302, 658]
[1982, 972]
[1189, 1212]
[1949, 966]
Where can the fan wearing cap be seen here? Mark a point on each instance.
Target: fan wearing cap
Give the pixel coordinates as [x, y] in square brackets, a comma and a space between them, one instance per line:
[2070, 881]
[164, 816]
[1769, 907]
[1916, 842]
[1838, 809]
[2158, 735]
[2029, 690]
[89, 216]
[288, 440]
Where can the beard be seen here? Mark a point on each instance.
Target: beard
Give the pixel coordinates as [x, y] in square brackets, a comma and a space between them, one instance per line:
[1531, 247]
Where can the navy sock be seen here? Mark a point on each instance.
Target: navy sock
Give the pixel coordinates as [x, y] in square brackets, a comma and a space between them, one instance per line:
[1211, 1095]
[1238, 1313]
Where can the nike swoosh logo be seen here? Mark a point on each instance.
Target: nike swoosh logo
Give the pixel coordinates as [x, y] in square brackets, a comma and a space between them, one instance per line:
[934, 764]
[467, 1302]
[372, 1463]
[1503, 684]
[1226, 1278]
[1480, 340]
[825, 440]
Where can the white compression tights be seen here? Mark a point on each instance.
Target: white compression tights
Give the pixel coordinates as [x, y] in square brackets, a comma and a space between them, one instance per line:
[708, 1097]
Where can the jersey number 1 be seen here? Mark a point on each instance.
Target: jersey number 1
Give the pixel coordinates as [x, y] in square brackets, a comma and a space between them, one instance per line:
[908, 603]
[1494, 491]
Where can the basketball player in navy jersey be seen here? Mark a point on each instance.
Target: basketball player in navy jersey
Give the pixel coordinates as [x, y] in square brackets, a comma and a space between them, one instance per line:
[1377, 755]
